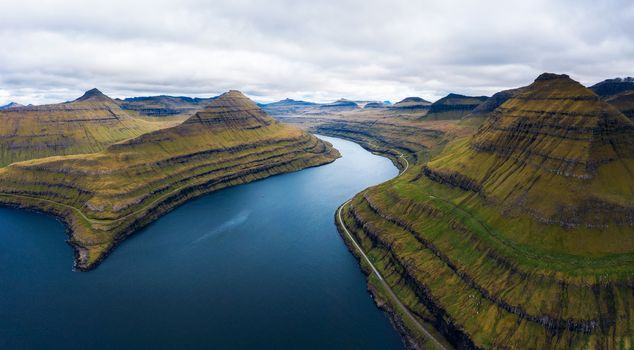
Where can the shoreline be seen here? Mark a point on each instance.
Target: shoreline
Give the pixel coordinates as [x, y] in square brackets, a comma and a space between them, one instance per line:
[152, 214]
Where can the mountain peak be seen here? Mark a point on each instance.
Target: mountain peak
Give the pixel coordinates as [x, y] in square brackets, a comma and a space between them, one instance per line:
[231, 110]
[552, 76]
[11, 105]
[93, 94]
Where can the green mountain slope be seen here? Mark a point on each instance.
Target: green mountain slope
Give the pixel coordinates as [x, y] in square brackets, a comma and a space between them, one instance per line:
[86, 125]
[106, 196]
[521, 235]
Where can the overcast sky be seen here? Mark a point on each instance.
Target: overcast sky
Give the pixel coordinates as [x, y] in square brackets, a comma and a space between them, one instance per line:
[317, 50]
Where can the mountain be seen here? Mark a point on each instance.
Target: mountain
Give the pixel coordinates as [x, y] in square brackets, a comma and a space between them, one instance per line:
[86, 125]
[519, 235]
[340, 105]
[11, 105]
[618, 92]
[106, 196]
[554, 134]
[454, 106]
[611, 87]
[371, 105]
[624, 102]
[495, 101]
[289, 107]
[412, 103]
[164, 106]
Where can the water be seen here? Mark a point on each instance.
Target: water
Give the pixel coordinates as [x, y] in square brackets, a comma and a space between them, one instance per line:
[255, 266]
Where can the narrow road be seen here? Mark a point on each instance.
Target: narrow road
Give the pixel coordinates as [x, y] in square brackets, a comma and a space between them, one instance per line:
[386, 286]
[406, 164]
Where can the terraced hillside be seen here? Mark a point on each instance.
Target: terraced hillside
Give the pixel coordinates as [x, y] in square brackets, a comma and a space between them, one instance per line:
[86, 125]
[106, 196]
[519, 236]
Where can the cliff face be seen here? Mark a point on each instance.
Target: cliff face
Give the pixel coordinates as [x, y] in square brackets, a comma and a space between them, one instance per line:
[106, 196]
[86, 125]
[521, 235]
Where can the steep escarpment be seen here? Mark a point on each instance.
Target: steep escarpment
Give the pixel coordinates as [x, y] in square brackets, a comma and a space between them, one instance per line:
[86, 125]
[520, 235]
[454, 106]
[106, 196]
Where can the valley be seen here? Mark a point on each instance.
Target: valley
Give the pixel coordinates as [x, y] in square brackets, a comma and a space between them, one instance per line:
[511, 227]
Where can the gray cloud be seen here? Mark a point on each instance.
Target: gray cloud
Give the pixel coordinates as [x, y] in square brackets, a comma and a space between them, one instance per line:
[318, 50]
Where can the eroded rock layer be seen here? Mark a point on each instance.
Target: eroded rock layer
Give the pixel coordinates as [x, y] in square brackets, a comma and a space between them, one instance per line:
[519, 236]
[108, 195]
[86, 125]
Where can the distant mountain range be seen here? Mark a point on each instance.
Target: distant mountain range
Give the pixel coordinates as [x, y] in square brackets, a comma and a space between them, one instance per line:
[11, 105]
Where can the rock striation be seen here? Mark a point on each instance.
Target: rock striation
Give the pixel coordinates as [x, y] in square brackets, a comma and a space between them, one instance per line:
[86, 125]
[519, 235]
[106, 196]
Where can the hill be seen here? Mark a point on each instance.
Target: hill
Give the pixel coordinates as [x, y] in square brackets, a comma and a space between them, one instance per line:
[412, 103]
[454, 106]
[289, 107]
[339, 105]
[11, 105]
[164, 106]
[619, 93]
[611, 87]
[87, 125]
[106, 196]
[520, 235]
[624, 102]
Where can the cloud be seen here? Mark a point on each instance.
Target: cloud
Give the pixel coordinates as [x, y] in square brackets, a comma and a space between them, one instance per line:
[318, 50]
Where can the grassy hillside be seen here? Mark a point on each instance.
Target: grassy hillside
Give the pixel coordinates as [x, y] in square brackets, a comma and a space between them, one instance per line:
[86, 125]
[521, 235]
[105, 196]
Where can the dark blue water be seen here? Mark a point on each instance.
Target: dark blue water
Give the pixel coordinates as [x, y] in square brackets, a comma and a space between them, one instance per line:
[255, 266]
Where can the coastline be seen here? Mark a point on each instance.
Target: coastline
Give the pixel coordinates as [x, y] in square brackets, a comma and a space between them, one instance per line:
[162, 207]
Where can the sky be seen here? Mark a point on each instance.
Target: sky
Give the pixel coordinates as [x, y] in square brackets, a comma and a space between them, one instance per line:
[53, 50]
